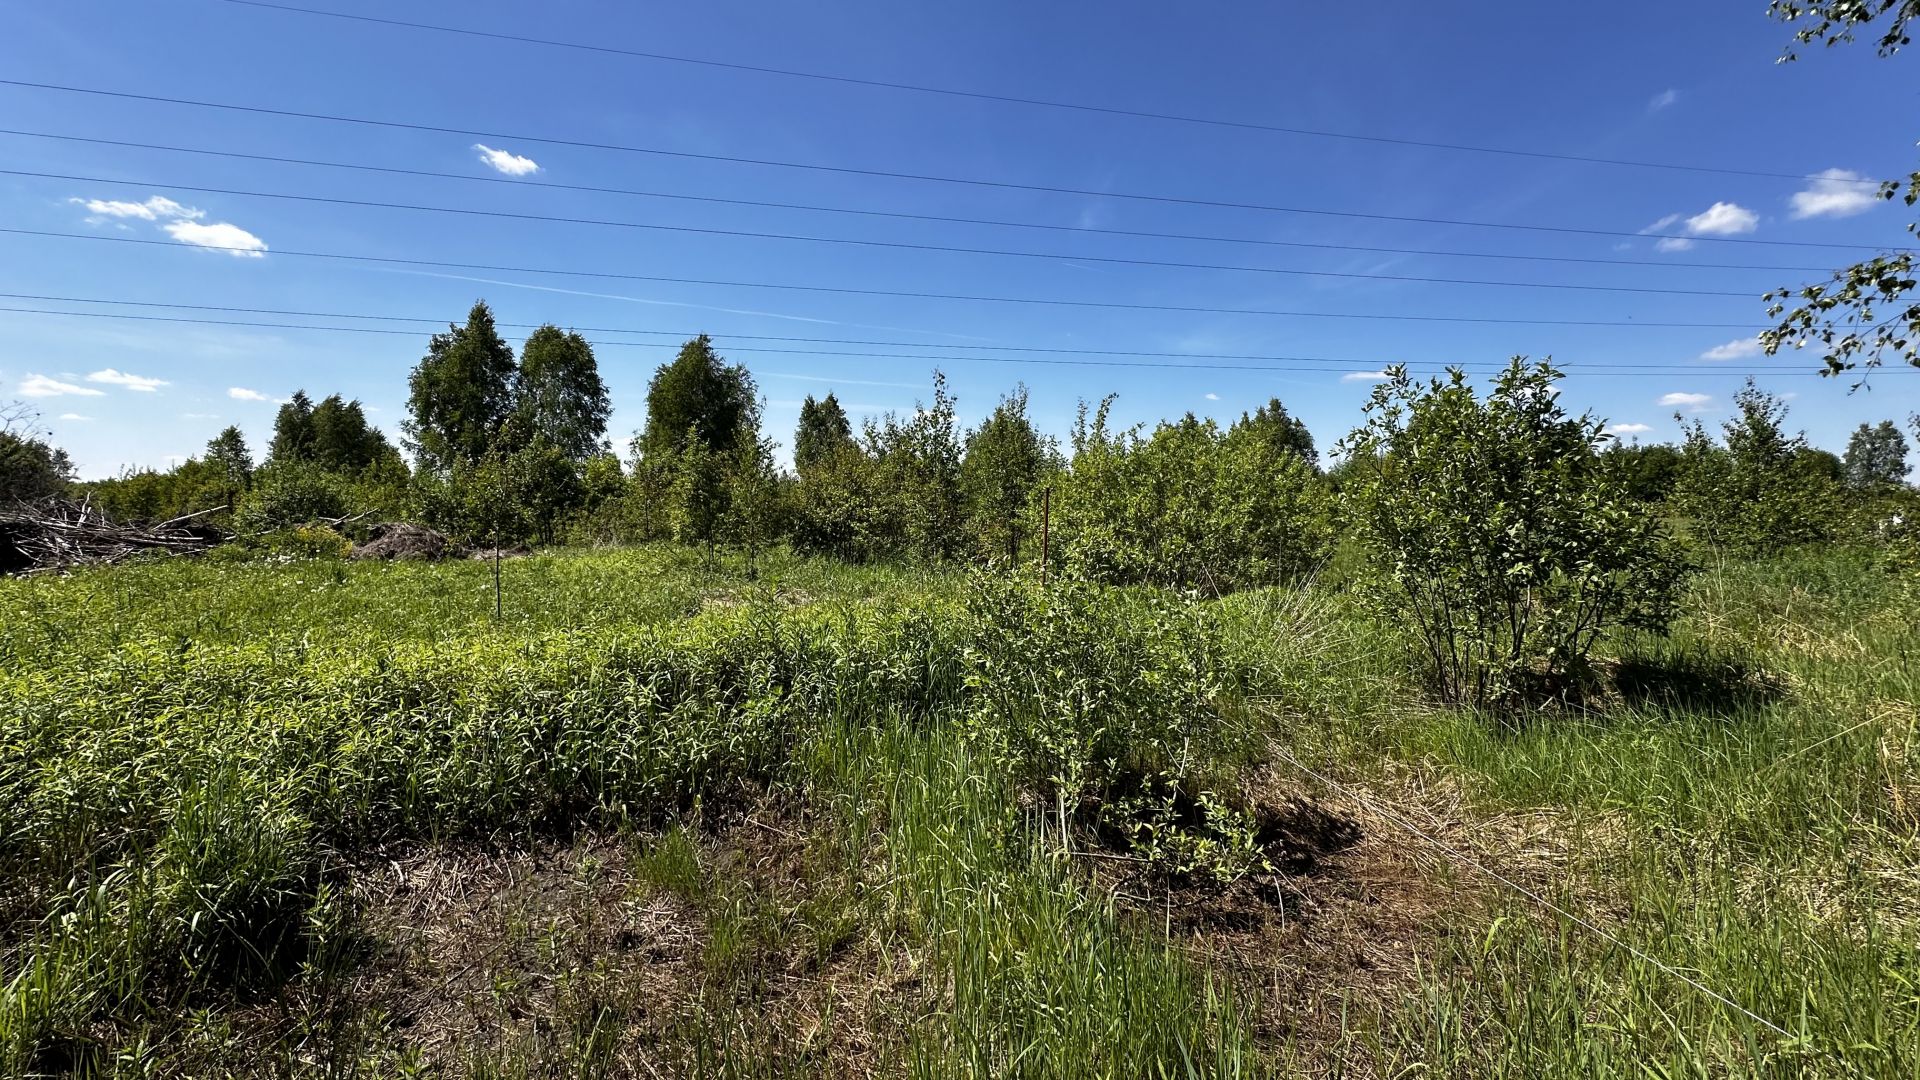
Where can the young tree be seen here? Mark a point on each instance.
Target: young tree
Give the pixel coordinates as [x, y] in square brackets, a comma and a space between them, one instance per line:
[1495, 533]
[1004, 463]
[697, 499]
[1870, 309]
[917, 468]
[823, 431]
[292, 430]
[698, 396]
[1763, 490]
[462, 393]
[1876, 458]
[753, 515]
[227, 453]
[1286, 433]
[562, 400]
[1648, 472]
[30, 466]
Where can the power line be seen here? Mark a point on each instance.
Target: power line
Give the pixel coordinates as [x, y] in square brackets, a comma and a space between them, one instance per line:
[1010, 99]
[898, 245]
[897, 293]
[1352, 367]
[920, 177]
[906, 216]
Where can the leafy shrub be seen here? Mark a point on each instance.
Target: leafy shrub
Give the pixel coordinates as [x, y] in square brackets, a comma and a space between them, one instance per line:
[303, 542]
[296, 493]
[1496, 534]
[1763, 490]
[1103, 703]
[1190, 506]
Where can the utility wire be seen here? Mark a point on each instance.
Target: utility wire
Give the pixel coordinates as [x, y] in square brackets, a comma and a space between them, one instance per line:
[921, 177]
[906, 216]
[845, 291]
[897, 245]
[1018, 100]
[434, 321]
[1351, 367]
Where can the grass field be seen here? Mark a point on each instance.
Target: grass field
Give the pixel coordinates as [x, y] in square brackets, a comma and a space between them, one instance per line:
[325, 818]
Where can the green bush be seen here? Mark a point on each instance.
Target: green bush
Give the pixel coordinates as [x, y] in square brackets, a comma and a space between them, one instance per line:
[296, 493]
[1761, 490]
[1190, 506]
[1495, 533]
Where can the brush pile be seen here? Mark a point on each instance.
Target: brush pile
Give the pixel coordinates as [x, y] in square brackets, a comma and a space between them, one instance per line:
[50, 534]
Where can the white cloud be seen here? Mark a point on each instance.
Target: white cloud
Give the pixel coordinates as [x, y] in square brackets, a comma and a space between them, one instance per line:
[1629, 429]
[1723, 219]
[1664, 223]
[1733, 350]
[1672, 243]
[1213, 397]
[41, 386]
[199, 416]
[502, 161]
[1365, 376]
[74, 416]
[153, 209]
[1692, 402]
[121, 378]
[1663, 99]
[241, 393]
[1835, 193]
[232, 239]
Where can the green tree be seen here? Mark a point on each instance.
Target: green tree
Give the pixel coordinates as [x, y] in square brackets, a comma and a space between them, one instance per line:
[293, 430]
[1188, 506]
[1004, 464]
[1287, 433]
[461, 394]
[1648, 472]
[1870, 309]
[30, 466]
[343, 441]
[1496, 535]
[227, 455]
[1876, 457]
[822, 432]
[1762, 490]
[562, 399]
[917, 464]
[699, 396]
[754, 513]
[697, 492]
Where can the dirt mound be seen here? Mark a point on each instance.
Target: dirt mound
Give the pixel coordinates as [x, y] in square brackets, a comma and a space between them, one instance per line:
[404, 540]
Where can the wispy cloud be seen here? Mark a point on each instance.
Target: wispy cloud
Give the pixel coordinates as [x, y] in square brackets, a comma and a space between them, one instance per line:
[1733, 350]
[121, 378]
[42, 386]
[502, 161]
[1662, 100]
[1720, 219]
[1365, 376]
[1629, 429]
[181, 222]
[241, 393]
[1690, 402]
[199, 416]
[74, 416]
[220, 236]
[1213, 397]
[154, 209]
[1835, 193]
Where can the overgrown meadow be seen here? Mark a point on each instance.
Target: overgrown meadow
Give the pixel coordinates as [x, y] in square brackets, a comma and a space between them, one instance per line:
[315, 817]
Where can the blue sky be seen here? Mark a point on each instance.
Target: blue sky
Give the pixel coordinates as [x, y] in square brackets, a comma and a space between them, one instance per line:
[1697, 85]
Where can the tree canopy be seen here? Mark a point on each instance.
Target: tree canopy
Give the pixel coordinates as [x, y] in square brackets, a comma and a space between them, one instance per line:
[698, 396]
[562, 401]
[462, 393]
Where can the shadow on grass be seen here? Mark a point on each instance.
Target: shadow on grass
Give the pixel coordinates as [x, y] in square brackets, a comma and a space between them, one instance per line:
[1715, 685]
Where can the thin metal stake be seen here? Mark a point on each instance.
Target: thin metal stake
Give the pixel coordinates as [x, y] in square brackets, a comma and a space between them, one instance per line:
[496, 573]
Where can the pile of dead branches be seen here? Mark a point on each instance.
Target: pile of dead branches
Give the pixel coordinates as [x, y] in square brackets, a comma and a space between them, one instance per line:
[53, 533]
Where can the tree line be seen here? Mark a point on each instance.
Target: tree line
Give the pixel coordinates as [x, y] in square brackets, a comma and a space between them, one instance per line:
[513, 447]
